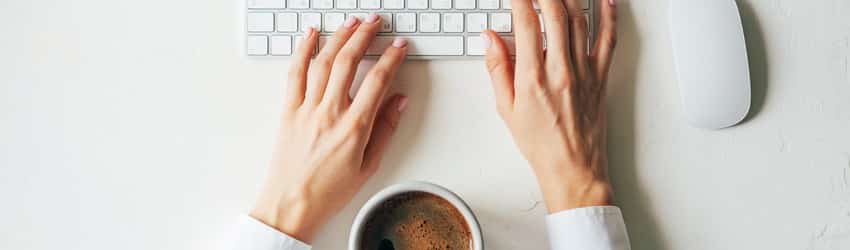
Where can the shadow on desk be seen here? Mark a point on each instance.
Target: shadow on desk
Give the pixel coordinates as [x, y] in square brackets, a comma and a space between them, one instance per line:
[629, 192]
[757, 55]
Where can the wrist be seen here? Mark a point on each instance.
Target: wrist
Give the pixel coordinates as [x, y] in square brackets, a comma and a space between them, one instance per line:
[288, 215]
[564, 192]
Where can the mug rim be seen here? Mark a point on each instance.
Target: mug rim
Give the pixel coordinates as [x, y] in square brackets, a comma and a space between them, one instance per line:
[414, 186]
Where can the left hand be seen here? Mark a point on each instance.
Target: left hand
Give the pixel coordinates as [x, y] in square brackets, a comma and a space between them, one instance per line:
[329, 144]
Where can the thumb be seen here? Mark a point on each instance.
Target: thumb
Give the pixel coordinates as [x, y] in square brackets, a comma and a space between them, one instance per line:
[385, 125]
[501, 68]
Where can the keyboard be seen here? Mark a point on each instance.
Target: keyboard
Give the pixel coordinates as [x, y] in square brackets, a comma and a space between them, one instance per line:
[435, 29]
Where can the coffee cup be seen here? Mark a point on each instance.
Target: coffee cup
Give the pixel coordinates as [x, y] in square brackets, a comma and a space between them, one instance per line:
[455, 220]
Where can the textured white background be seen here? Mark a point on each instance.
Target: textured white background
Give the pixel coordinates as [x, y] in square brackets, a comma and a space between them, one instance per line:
[140, 125]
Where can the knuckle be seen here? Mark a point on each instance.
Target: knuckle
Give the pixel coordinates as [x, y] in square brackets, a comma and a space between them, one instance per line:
[558, 17]
[347, 58]
[356, 129]
[610, 41]
[379, 74]
[494, 64]
[578, 19]
[323, 61]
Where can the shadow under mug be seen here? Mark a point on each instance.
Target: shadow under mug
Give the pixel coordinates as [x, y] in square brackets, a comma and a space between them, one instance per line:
[376, 200]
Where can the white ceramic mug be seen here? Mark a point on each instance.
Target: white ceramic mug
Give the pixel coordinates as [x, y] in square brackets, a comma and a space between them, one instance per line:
[372, 204]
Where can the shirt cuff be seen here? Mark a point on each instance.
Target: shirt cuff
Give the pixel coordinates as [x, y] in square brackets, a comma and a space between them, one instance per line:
[589, 228]
[251, 234]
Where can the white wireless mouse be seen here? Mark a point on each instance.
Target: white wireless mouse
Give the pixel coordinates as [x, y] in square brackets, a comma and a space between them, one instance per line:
[711, 62]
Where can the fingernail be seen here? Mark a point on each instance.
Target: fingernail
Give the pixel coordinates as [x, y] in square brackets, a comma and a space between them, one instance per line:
[402, 103]
[350, 22]
[612, 2]
[399, 42]
[308, 33]
[485, 39]
[372, 18]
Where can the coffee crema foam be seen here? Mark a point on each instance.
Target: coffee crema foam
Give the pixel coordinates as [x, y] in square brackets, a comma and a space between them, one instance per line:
[414, 221]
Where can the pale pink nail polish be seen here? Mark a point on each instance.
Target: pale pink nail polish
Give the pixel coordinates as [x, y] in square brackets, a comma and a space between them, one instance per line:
[402, 103]
[372, 18]
[612, 2]
[399, 42]
[485, 39]
[308, 33]
[350, 22]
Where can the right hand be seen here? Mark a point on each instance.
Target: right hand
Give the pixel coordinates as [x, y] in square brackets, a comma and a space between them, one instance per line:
[555, 109]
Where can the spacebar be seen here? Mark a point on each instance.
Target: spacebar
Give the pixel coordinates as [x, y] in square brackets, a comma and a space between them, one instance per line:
[421, 45]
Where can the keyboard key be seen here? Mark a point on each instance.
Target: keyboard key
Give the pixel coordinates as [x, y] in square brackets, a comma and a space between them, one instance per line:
[287, 22]
[441, 4]
[258, 45]
[506, 4]
[405, 22]
[359, 15]
[475, 45]
[333, 21]
[421, 45]
[323, 4]
[370, 4]
[281, 45]
[500, 22]
[299, 4]
[453, 22]
[260, 22]
[393, 4]
[585, 4]
[464, 4]
[417, 4]
[386, 22]
[346, 4]
[296, 41]
[488, 4]
[429, 22]
[311, 20]
[476, 22]
[265, 4]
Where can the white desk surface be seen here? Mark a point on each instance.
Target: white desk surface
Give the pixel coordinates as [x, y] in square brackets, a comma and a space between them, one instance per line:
[140, 125]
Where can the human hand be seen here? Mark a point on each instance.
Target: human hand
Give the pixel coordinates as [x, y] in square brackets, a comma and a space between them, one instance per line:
[555, 109]
[329, 143]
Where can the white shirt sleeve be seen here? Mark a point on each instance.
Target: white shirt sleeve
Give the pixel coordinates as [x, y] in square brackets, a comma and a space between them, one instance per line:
[589, 228]
[252, 234]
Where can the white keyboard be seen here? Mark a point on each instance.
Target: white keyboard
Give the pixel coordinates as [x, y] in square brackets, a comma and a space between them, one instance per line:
[435, 29]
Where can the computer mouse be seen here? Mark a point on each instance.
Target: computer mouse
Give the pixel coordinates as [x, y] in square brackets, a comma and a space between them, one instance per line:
[710, 56]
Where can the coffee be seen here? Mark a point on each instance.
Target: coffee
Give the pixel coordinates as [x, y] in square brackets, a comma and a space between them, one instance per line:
[416, 220]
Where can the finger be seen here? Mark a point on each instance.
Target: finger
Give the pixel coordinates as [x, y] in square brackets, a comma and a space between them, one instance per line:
[606, 41]
[556, 20]
[529, 48]
[573, 7]
[385, 126]
[317, 78]
[501, 70]
[377, 81]
[346, 62]
[298, 69]
[579, 43]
